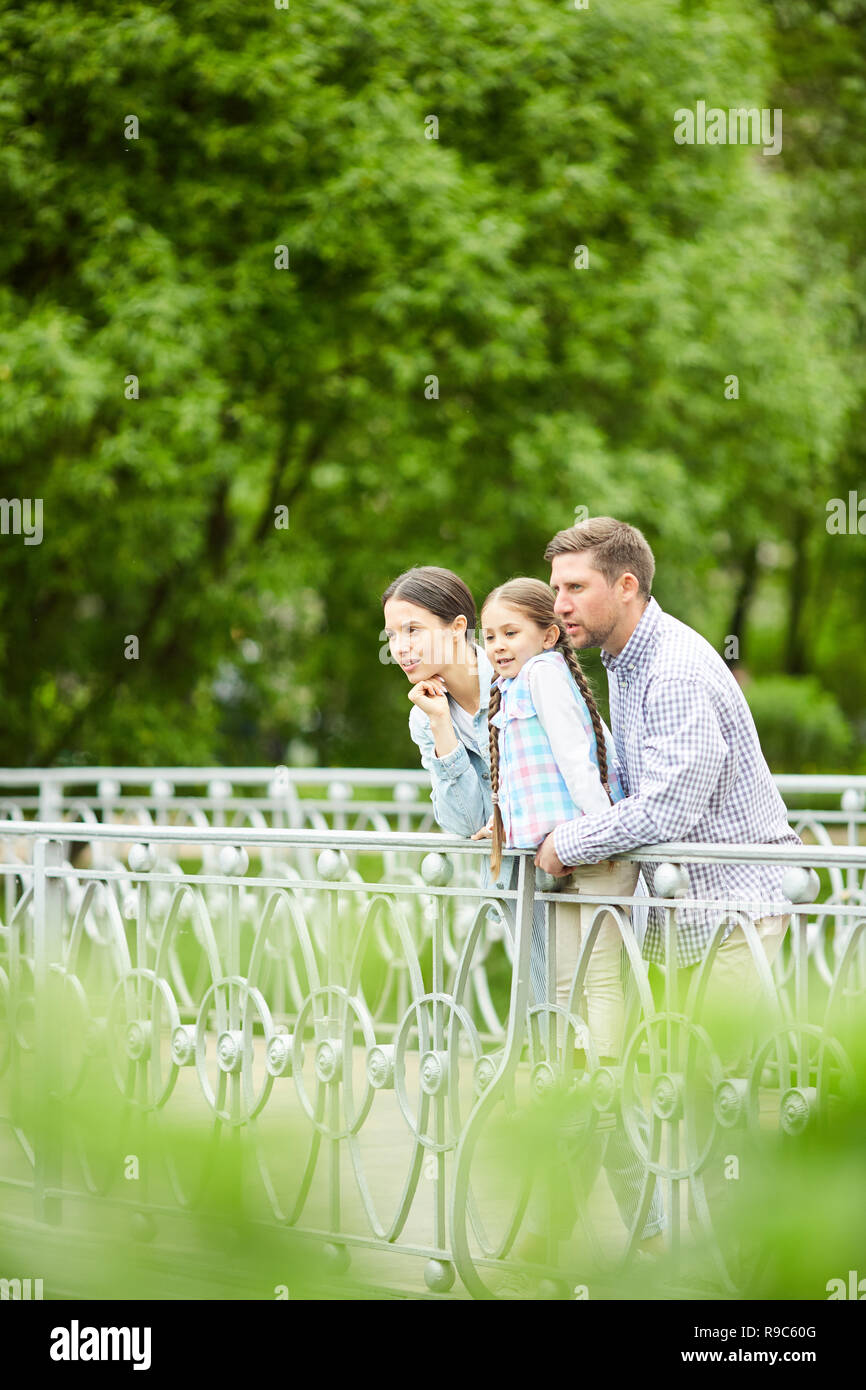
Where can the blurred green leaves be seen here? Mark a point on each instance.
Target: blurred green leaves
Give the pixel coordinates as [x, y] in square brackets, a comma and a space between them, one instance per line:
[800, 724]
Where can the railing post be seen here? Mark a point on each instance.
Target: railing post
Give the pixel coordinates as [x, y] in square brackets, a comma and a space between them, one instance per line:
[50, 800]
[671, 1063]
[47, 952]
[853, 801]
[489, 1098]
[672, 882]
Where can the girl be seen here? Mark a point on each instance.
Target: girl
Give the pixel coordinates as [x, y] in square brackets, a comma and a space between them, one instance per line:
[551, 760]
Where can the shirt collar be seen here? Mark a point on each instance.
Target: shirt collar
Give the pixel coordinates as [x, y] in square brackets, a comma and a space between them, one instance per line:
[638, 645]
[504, 682]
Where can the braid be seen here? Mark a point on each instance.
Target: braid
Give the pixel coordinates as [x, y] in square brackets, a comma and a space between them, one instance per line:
[564, 646]
[498, 828]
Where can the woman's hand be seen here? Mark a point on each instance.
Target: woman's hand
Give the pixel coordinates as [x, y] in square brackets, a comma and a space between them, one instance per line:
[486, 831]
[430, 697]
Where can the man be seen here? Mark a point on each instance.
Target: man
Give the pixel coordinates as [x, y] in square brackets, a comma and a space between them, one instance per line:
[690, 753]
[685, 738]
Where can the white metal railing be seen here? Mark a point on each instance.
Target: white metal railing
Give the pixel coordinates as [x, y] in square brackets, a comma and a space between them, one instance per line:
[359, 983]
[320, 798]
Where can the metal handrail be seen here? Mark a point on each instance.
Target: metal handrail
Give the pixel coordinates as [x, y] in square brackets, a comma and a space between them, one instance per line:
[678, 851]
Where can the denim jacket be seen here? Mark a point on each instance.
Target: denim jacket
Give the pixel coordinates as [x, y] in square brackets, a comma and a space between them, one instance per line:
[461, 792]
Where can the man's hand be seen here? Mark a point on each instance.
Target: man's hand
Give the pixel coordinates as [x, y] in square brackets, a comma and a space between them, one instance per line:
[548, 859]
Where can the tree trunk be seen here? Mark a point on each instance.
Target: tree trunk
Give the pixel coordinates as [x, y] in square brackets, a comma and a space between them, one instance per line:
[742, 603]
[795, 647]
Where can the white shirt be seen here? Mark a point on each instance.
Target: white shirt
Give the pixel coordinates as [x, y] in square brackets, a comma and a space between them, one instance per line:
[465, 725]
[553, 697]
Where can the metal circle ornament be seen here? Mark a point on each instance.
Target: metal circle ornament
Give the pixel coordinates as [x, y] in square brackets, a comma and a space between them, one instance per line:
[133, 1033]
[234, 1044]
[438, 1067]
[344, 1013]
[676, 1086]
[798, 1072]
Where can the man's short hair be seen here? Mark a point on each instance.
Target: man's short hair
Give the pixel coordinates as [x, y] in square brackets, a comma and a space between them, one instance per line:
[616, 548]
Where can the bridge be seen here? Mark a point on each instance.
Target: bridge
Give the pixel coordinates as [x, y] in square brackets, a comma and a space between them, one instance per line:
[274, 1011]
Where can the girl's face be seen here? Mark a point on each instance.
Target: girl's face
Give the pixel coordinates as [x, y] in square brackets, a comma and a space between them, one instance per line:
[421, 643]
[511, 637]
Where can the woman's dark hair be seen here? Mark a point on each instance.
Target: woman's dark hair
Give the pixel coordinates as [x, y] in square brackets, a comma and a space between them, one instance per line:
[440, 591]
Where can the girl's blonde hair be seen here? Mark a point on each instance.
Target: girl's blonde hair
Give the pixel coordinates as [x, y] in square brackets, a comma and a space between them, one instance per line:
[535, 599]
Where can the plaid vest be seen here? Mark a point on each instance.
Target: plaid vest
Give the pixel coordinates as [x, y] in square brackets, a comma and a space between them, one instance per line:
[533, 795]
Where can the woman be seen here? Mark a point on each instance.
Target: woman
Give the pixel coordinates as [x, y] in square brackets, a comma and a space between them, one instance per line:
[430, 626]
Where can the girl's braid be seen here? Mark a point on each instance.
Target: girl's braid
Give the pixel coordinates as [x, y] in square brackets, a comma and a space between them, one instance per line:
[564, 646]
[498, 827]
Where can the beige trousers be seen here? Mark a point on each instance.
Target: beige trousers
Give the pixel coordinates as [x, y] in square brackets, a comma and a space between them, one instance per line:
[732, 1005]
[603, 991]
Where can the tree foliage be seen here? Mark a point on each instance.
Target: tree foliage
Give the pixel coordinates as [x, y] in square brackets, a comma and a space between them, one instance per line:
[308, 388]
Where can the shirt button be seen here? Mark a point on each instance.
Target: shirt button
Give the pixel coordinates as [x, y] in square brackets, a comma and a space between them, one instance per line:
[486, 776]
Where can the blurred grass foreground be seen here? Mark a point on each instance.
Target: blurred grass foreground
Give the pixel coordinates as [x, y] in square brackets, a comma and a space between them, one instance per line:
[193, 1201]
[191, 1221]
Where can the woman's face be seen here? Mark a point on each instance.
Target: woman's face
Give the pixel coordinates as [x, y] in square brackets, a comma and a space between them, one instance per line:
[420, 643]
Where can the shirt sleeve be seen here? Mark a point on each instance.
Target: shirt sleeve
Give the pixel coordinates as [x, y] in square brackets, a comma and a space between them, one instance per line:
[560, 719]
[456, 791]
[683, 755]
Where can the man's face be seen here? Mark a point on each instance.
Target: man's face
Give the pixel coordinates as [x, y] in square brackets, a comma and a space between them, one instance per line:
[585, 601]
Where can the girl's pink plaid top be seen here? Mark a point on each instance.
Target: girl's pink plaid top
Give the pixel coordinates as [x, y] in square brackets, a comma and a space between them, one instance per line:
[533, 795]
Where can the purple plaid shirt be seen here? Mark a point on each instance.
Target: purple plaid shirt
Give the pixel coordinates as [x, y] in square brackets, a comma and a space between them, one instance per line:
[687, 743]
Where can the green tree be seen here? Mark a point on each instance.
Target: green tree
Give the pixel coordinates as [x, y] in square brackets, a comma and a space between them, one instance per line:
[156, 254]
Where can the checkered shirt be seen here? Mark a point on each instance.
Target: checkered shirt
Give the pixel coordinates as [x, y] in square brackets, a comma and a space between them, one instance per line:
[687, 742]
